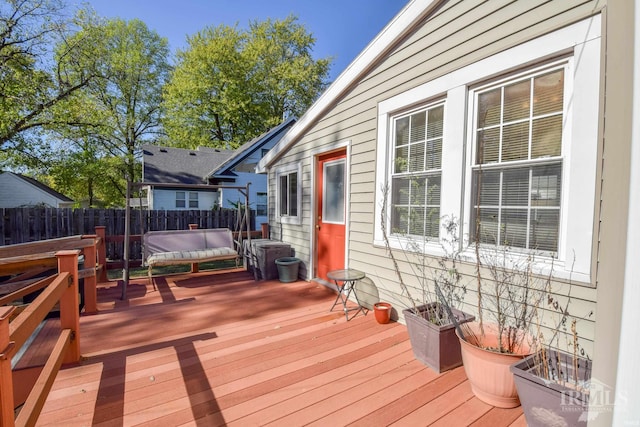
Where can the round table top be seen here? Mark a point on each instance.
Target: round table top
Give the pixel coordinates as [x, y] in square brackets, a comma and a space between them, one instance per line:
[345, 275]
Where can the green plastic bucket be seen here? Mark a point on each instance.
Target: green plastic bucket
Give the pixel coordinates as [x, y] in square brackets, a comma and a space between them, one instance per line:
[288, 269]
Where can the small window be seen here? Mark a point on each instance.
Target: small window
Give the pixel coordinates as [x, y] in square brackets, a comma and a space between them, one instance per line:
[180, 200]
[261, 204]
[288, 194]
[193, 200]
[264, 152]
[416, 172]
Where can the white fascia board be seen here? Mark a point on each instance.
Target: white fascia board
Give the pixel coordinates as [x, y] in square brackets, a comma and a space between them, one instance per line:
[402, 23]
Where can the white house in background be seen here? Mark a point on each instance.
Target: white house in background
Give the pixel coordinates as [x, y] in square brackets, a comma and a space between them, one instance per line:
[165, 165]
[17, 190]
[239, 169]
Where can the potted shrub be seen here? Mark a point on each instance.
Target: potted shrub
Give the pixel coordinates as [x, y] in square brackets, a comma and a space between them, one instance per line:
[510, 297]
[429, 325]
[554, 385]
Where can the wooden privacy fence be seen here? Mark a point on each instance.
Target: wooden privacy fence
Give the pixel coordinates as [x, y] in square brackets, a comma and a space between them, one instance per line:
[22, 225]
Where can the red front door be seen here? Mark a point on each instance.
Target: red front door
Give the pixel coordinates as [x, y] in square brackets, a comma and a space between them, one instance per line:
[331, 212]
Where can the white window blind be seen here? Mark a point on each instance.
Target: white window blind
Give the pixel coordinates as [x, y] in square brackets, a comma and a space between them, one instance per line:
[416, 176]
[517, 172]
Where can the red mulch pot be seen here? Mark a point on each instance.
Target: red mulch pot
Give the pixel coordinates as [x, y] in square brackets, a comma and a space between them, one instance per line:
[436, 346]
[382, 311]
[547, 402]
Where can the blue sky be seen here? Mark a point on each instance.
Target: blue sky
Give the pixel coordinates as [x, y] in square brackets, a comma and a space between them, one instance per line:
[342, 28]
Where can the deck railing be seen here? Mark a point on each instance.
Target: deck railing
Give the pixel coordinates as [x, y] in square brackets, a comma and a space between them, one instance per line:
[18, 324]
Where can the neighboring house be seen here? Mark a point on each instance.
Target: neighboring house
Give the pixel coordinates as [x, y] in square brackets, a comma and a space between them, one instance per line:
[185, 168]
[17, 190]
[548, 91]
[239, 169]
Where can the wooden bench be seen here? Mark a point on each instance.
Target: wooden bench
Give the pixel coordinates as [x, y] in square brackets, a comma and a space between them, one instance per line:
[173, 247]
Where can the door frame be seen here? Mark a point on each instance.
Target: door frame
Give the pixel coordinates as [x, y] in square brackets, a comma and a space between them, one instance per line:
[314, 154]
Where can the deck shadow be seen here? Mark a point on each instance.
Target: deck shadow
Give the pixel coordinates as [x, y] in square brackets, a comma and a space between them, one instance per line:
[110, 397]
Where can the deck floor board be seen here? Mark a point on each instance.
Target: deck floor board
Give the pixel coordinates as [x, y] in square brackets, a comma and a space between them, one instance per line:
[218, 348]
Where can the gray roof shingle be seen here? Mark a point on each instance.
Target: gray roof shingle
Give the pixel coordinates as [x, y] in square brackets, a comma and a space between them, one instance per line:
[166, 165]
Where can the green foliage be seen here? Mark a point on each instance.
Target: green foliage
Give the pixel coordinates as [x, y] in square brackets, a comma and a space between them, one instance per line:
[31, 82]
[231, 85]
[105, 124]
[81, 94]
[90, 180]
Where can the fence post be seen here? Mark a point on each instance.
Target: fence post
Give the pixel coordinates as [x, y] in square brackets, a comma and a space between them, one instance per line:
[69, 304]
[6, 376]
[90, 282]
[195, 267]
[102, 252]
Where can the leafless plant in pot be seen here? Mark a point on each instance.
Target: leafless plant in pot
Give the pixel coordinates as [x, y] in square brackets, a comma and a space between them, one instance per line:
[554, 385]
[430, 327]
[509, 293]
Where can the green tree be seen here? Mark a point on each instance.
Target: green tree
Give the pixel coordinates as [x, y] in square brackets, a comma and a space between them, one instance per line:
[31, 81]
[108, 121]
[231, 85]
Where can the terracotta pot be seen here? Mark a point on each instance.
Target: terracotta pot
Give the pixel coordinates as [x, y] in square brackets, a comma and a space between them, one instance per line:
[382, 311]
[434, 345]
[488, 371]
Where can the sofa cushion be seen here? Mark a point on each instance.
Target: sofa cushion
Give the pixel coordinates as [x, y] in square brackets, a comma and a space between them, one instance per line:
[200, 255]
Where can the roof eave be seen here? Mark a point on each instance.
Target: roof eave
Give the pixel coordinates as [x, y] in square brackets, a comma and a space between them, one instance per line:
[404, 22]
[234, 160]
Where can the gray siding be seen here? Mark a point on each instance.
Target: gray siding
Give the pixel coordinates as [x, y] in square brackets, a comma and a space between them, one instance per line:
[459, 33]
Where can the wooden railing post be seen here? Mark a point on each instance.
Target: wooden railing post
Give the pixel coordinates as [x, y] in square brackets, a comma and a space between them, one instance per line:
[6, 377]
[69, 304]
[90, 282]
[194, 266]
[102, 252]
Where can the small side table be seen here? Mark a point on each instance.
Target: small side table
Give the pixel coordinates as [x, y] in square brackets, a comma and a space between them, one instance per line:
[346, 280]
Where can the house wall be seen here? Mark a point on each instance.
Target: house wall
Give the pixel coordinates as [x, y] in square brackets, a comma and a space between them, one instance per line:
[458, 34]
[165, 199]
[258, 185]
[15, 192]
[613, 356]
[628, 371]
[245, 173]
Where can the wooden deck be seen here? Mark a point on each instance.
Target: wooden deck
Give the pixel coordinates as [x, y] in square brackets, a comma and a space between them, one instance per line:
[213, 349]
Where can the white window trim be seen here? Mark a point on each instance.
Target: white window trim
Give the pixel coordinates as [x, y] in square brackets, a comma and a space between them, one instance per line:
[581, 41]
[287, 169]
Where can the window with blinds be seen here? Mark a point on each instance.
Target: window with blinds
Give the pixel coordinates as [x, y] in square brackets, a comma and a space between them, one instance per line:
[416, 172]
[517, 170]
